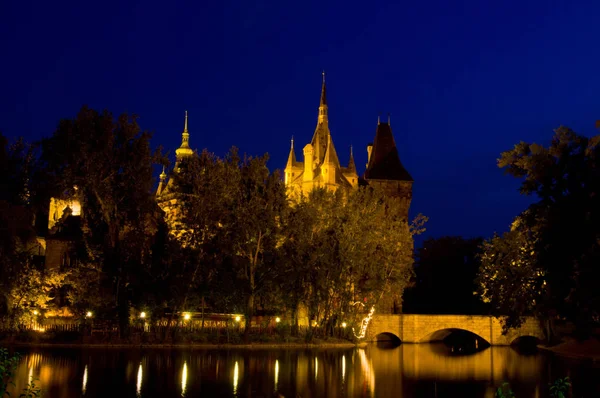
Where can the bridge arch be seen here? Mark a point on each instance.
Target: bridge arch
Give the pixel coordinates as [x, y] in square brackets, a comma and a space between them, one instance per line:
[527, 340]
[443, 334]
[387, 337]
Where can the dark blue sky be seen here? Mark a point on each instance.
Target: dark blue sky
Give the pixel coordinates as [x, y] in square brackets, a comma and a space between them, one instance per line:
[463, 80]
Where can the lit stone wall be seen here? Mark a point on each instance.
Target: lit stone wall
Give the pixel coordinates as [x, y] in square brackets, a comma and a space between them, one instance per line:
[412, 328]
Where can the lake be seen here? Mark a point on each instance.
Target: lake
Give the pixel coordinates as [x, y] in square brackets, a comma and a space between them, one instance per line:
[408, 370]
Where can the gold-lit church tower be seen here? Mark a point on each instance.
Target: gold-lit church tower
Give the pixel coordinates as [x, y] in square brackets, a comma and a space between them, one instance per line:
[321, 166]
[168, 199]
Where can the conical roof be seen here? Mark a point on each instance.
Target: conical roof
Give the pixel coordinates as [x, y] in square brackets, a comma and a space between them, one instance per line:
[384, 163]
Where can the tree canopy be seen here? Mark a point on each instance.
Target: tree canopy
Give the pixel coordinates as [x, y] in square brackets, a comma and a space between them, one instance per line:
[551, 256]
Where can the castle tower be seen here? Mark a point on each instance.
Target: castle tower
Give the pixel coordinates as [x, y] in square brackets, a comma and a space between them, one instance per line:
[184, 150]
[384, 168]
[320, 166]
[292, 169]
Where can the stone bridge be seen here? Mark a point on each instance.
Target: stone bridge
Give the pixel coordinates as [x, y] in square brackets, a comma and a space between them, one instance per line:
[414, 328]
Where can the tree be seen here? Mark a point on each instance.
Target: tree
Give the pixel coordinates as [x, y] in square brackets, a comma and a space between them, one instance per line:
[344, 251]
[510, 276]
[107, 165]
[24, 284]
[563, 226]
[229, 224]
[445, 272]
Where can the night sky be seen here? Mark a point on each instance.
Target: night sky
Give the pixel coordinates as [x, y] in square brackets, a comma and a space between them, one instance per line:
[463, 81]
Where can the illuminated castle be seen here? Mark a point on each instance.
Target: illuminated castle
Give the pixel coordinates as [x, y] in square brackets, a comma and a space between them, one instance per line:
[321, 167]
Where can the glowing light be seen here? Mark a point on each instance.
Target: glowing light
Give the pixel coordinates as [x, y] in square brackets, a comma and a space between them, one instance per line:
[35, 312]
[236, 375]
[85, 377]
[316, 368]
[187, 316]
[278, 319]
[139, 381]
[363, 324]
[238, 318]
[276, 373]
[314, 323]
[142, 314]
[75, 208]
[89, 314]
[184, 379]
[343, 367]
[344, 324]
[38, 328]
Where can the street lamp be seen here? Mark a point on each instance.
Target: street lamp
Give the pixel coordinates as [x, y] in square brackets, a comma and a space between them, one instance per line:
[343, 324]
[278, 319]
[186, 316]
[35, 312]
[142, 314]
[238, 318]
[88, 314]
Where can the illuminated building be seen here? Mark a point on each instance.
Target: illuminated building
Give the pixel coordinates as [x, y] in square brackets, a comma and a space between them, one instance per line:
[321, 166]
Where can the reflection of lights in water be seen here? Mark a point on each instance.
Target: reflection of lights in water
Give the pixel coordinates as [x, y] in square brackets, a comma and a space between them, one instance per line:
[276, 372]
[85, 376]
[316, 367]
[368, 372]
[184, 379]
[236, 374]
[363, 325]
[343, 367]
[139, 381]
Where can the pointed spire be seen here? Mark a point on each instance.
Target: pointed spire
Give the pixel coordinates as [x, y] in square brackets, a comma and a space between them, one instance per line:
[351, 164]
[389, 119]
[323, 92]
[184, 149]
[378, 119]
[291, 157]
[161, 184]
[323, 102]
[330, 153]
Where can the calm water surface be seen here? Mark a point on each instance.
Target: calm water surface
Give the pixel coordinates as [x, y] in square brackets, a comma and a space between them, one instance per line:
[419, 370]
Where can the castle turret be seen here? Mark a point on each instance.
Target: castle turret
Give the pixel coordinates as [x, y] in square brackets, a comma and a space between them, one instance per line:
[293, 169]
[162, 179]
[385, 168]
[321, 166]
[330, 167]
[350, 171]
[184, 150]
[308, 174]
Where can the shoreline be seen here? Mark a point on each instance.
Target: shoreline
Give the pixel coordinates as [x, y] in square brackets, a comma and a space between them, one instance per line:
[585, 350]
[190, 346]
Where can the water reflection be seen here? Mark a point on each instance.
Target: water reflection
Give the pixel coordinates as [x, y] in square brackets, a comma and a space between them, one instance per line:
[236, 374]
[139, 381]
[84, 384]
[367, 369]
[419, 370]
[184, 379]
[276, 373]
